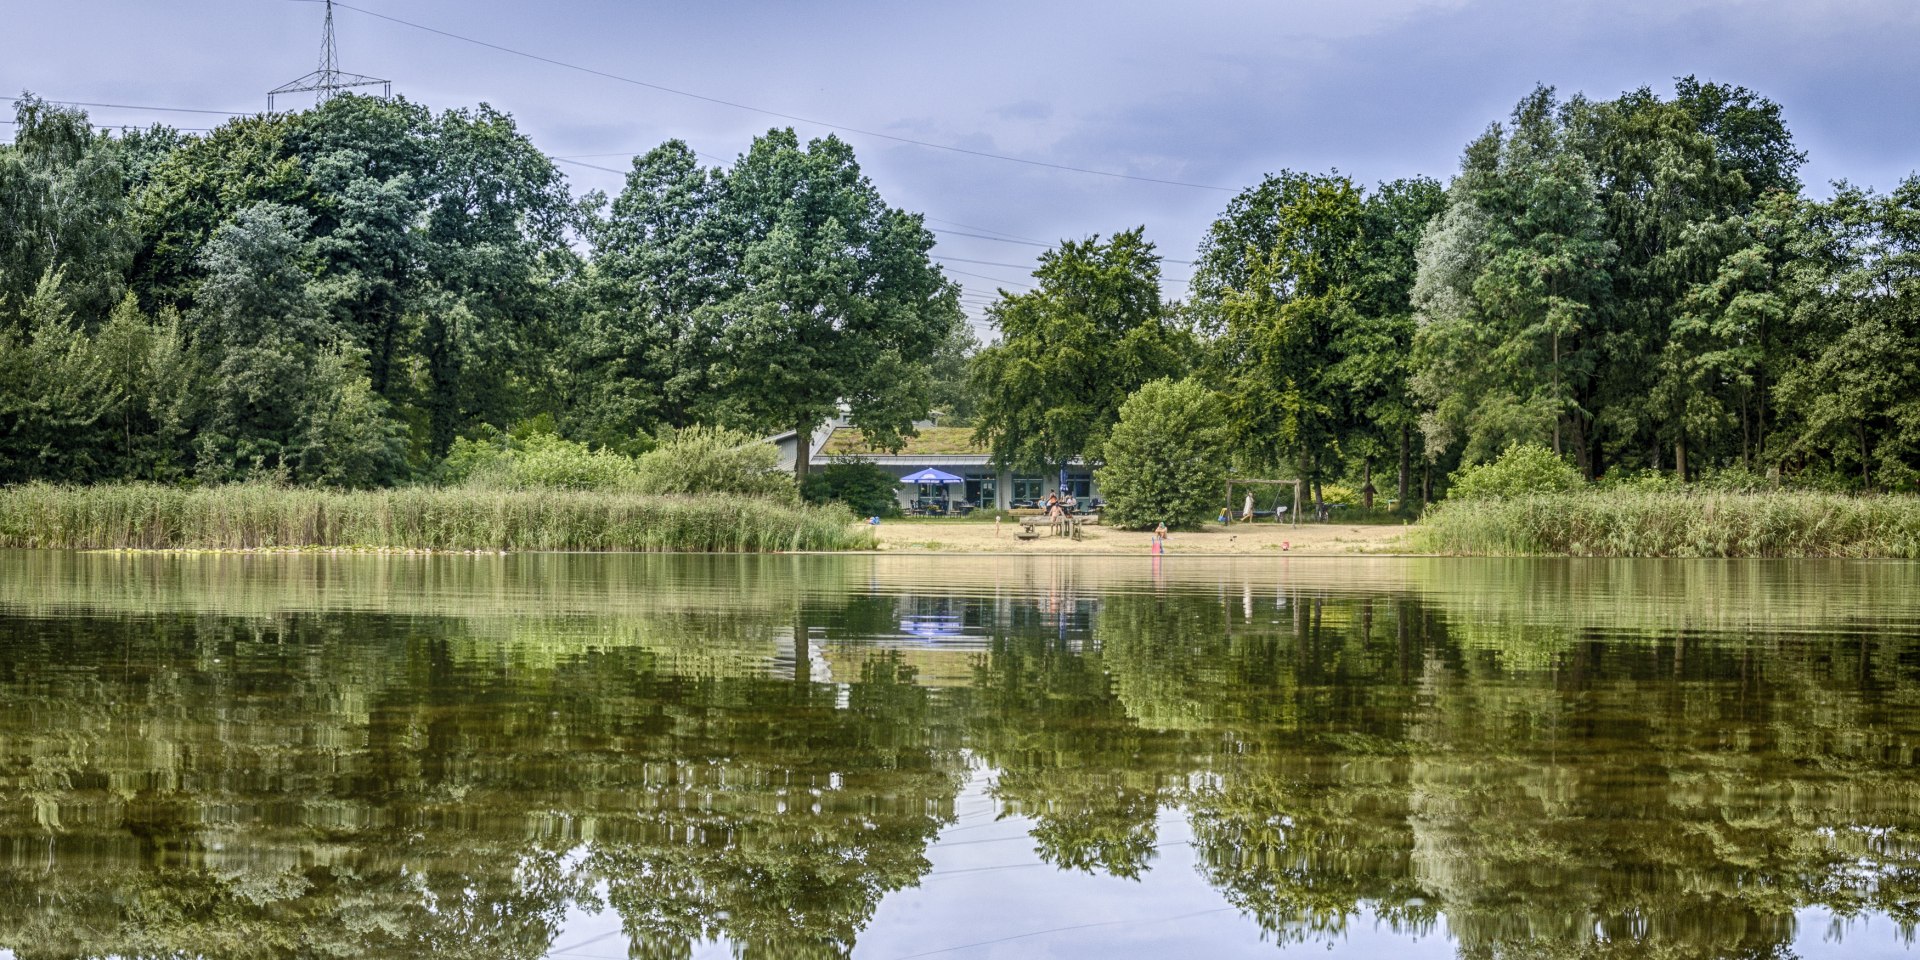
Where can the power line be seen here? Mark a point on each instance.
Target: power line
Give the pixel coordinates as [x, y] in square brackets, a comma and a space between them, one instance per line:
[1031, 243]
[129, 106]
[124, 126]
[982, 276]
[984, 263]
[971, 226]
[775, 113]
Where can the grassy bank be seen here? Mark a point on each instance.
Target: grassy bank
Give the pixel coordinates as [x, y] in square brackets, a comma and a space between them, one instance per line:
[145, 516]
[1671, 523]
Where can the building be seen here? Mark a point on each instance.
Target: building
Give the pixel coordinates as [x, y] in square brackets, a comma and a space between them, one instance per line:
[949, 450]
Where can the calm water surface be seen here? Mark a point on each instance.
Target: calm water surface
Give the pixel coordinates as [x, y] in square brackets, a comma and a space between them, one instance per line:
[964, 757]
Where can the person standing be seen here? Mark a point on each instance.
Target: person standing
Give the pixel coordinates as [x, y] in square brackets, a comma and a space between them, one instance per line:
[1246, 512]
[1159, 539]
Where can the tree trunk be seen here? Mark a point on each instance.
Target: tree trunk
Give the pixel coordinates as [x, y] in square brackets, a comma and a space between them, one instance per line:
[802, 453]
[1559, 404]
[1866, 468]
[1680, 458]
[1406, 463]
[1366, 487]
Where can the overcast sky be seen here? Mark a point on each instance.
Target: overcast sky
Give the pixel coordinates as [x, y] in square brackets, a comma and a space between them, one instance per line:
[1207, 93]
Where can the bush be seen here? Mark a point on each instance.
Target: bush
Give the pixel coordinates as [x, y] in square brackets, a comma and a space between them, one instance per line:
[714, 460]
[1524, 469]
[698, 460]
[1166, 458]
[540, 461]
[860, 484]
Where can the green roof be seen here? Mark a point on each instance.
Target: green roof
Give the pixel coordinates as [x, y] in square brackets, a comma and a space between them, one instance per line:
[930, 441]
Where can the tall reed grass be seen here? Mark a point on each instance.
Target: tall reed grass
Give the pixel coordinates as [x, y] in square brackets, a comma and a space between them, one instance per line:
[243, 516]
[1625, 522]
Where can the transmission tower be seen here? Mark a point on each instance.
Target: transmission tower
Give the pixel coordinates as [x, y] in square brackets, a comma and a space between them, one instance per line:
[328, 81]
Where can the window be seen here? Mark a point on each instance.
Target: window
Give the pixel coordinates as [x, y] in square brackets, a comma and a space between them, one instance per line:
[1080, 485]
[982, 490]
[1029, 489]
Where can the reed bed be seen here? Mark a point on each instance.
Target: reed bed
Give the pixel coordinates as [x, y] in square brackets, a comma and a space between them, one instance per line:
[1677, 523]
[253, 516]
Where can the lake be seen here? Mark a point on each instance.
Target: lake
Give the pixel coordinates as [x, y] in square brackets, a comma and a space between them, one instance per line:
[594, 756]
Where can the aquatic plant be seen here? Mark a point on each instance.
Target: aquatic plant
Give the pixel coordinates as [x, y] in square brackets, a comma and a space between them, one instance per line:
[1641, 522]
[250, 515]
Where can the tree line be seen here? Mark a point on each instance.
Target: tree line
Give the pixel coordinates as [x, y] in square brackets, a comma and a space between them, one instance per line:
[336, 296]
[1642, 285]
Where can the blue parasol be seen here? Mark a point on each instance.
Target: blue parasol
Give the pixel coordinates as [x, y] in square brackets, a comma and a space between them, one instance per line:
[930, 475]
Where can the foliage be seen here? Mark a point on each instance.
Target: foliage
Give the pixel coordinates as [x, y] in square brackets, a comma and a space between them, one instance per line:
[1072, 350]
[713, 460]
[1166, 458]
[244, 516]
[1854, 400]
[1522, 470]
[64, 206]
[536, 461]
[1601, 279]
[863, 486]
[1638, 522]
[1304, 284]
[760, 296]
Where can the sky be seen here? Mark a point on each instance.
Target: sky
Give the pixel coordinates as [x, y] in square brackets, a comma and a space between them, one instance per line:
[1212, 95]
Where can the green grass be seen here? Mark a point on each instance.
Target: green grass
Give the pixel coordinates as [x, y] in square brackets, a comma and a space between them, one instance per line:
[1676, 523]
[246, 516]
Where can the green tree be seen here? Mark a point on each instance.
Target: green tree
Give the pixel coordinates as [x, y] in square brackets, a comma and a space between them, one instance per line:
[644, 351]
[1072, 350]
[1854, 399]
[55, 393]
[1277, 357]
[64, 210]
[1376, 352]
[1166, 459]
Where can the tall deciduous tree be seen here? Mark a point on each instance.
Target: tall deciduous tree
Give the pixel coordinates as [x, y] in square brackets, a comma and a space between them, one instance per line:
[63, 210]
[1853, 400]
[1073, 349]
[1287, 300]
[764, 296]
[1567, 292]
[832, 294]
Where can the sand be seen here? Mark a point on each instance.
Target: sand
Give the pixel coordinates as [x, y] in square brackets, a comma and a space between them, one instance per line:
[1313, 539]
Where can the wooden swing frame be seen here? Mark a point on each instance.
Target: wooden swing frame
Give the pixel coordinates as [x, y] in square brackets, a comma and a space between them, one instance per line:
[1259, 482]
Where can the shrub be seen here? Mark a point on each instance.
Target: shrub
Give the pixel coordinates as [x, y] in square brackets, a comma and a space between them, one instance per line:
[697, 460]
[714, 460]
[540, 461]
[1166, 458]
[860, 484]
[1522, 470]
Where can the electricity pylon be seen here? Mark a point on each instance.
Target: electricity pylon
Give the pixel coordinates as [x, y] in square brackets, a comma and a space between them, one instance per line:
[329, 80]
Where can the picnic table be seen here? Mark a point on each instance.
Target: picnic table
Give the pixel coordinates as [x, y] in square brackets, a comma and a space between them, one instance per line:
[1067, 525]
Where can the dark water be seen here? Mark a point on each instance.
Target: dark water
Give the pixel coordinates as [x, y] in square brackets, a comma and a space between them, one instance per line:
[586, 756]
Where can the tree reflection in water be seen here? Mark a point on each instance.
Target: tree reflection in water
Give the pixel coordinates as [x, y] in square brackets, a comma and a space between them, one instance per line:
[252, 773]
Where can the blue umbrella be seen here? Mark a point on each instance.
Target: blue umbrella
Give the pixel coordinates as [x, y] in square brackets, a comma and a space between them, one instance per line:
[930, 475]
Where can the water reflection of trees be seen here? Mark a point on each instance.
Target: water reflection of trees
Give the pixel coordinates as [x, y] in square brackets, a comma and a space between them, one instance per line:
[286, 784]
[362, 785]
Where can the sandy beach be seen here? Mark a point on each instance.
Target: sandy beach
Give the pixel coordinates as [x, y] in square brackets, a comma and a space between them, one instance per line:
[1316, 539]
